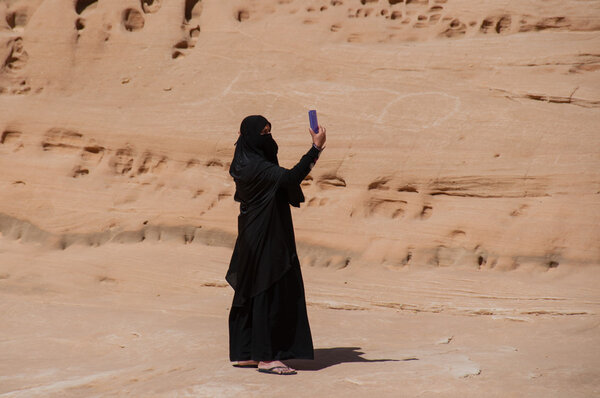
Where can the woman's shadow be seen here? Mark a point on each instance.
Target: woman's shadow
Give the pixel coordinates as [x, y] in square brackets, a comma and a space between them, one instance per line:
[326, 357]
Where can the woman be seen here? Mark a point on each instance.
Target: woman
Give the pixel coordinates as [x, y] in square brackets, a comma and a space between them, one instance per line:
[268, 321]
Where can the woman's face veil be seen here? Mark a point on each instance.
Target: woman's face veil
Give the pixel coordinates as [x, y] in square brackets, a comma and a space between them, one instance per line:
[251, 138]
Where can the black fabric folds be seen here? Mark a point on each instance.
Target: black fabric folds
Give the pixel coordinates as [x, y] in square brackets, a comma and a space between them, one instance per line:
[265, 248]
[273, 325]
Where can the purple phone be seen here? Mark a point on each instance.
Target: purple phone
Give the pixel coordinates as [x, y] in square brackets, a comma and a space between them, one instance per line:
[312, 118]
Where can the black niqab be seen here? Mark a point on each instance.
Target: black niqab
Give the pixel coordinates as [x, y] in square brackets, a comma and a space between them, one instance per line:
[252, 146]
[252, 137]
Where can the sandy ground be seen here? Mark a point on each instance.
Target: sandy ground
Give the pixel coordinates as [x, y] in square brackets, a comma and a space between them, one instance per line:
[449, 239]
[119, 322]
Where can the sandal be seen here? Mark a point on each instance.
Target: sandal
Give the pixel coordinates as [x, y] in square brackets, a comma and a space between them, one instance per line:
[275, 372]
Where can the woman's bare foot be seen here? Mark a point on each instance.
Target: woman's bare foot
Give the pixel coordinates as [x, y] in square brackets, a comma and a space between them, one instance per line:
[275, 367]
[246, 363]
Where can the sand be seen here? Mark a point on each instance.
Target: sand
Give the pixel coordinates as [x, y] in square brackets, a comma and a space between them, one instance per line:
[449, 240]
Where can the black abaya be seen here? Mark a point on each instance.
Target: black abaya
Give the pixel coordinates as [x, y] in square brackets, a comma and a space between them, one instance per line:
[268, 317]
[273, 325]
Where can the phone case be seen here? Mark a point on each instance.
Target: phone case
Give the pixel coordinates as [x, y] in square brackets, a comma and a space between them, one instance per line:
[312, 118]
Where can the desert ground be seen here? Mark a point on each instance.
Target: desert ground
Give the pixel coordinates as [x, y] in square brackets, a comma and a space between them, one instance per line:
[450, 238]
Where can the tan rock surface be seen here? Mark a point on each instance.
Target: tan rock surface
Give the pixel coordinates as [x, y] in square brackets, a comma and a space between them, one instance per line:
[454, 217]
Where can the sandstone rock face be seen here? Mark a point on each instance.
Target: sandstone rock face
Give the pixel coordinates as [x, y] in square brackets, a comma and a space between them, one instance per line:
[461, 133]
[463, 141]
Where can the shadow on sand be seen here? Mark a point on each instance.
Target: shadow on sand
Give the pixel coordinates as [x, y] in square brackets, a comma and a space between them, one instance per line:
[326, 357]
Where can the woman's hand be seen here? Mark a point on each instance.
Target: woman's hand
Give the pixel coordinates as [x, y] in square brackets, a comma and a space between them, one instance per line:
[320, 138]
